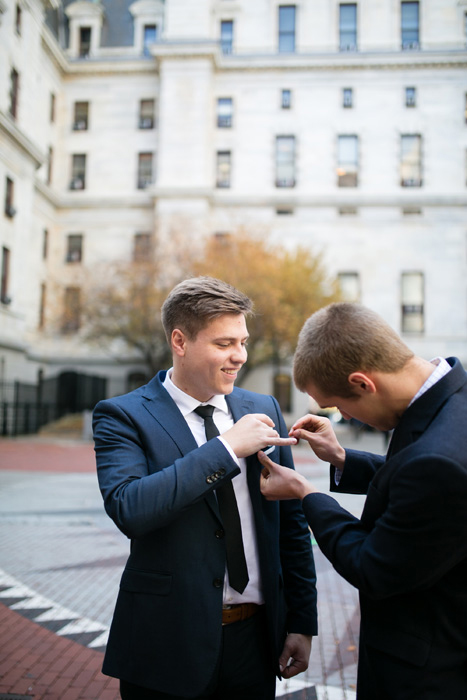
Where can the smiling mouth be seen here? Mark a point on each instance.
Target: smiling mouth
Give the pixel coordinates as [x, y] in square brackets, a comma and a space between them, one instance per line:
[231, 372]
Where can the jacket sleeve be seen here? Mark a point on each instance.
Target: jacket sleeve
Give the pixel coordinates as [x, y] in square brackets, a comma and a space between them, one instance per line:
[410, 534]
[359, 470]
[140, 492]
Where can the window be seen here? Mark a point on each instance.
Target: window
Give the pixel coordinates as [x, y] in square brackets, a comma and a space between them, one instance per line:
[144, 170]
[42, 305]
[347, 161]
[149, 37]
[45, 244]
[142, 247]
[18, 19]
[347, 98]
[283, 391]
[52, 107]
[71, 310]
[285, 161]
[4, 282]
[348, 211]
[10, 210]
[81, 116]
[50, 155]
[410, 97]
[227, 30]
[410, 25]
[78, 172]
[411, 160]
[14, 90]
[84, 41]
[465, 109]
[74, 248]
[286, 99]
[146, 114]
[224, 112]
[349, 285]
[287, 29]
[412, 302]
[223, 168]
[348, 27]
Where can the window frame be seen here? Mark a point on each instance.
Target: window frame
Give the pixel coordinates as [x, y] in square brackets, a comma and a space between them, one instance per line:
[349, 177]
[223, 169]
[224, 118]
[286, 161]
[411, 162]
[74, 248]
[78, 171]
[286, 37]
[348, 30]
[145, 170]
[411, 308]
[410, 33]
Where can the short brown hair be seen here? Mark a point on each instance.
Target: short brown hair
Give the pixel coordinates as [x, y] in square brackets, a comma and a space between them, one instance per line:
[343, 338]
[193, 303]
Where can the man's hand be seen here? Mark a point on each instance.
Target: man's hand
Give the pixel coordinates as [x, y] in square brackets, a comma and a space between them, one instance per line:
[281, 483]
[295, 655]
[319, 434]
[253, 432]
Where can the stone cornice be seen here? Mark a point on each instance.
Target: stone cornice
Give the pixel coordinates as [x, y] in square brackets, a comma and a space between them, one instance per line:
[8, 126]
[293, 199]
[344, 61]
[83, 200]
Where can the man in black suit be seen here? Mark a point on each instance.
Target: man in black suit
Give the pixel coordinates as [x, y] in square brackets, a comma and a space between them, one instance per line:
[218, 594]
[407, 554]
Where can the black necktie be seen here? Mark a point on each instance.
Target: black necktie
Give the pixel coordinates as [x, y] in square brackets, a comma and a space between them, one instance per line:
[236, 562]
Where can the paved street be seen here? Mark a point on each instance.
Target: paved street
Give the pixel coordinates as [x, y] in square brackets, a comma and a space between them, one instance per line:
[60, 563]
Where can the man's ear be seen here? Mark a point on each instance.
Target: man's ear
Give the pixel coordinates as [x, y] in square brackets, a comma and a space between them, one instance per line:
[178, 342]
[361, 383]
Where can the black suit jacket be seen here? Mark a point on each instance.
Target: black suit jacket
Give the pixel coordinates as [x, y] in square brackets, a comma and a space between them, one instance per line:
[407, 554]
[158, 487]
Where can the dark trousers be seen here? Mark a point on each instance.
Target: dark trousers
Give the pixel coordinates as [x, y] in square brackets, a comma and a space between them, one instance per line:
[244, 669]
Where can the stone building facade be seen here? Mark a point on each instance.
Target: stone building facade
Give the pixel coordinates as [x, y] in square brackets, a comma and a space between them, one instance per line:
[341, 126]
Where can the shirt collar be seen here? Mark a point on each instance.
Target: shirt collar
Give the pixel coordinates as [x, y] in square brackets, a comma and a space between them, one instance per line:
[442, 367]
[186, 403]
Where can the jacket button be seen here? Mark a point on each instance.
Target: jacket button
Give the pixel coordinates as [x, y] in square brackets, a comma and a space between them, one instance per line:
[219, 534]
[209, 480]
[218, 583]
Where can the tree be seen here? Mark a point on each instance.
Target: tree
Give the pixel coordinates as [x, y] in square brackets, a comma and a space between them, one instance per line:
[123, 310]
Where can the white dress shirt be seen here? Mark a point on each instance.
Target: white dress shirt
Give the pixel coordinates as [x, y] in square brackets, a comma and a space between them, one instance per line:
[223, 420]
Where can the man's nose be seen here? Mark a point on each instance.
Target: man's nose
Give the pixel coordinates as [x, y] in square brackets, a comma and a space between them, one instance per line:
[239, 353]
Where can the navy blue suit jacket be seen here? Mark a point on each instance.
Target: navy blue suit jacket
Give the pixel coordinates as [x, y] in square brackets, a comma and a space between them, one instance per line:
[158, 487]
[407, 554]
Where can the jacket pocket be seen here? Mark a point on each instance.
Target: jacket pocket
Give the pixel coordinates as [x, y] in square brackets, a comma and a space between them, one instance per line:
[150, 582]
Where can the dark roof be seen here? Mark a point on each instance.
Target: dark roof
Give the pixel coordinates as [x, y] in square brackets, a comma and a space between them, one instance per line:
[117, 27]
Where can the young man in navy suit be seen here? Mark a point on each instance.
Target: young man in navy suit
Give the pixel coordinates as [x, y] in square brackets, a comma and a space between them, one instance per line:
[218, 595]
[407, 554]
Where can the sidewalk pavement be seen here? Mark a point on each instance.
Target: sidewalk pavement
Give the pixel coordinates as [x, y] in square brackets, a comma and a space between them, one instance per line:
[61, 560]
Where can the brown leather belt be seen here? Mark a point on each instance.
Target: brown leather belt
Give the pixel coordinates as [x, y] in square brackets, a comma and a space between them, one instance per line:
[235, 613]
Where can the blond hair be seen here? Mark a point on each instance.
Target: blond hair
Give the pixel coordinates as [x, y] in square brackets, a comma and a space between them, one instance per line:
[343, 338]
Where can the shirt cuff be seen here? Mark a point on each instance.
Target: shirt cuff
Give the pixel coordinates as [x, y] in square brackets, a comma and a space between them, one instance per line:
[229, 449]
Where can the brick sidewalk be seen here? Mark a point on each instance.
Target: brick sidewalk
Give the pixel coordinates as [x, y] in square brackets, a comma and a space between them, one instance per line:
[36, 663]
[45, 455]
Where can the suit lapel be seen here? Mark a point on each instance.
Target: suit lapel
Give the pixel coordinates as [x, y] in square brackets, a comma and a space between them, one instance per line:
[165, 411]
